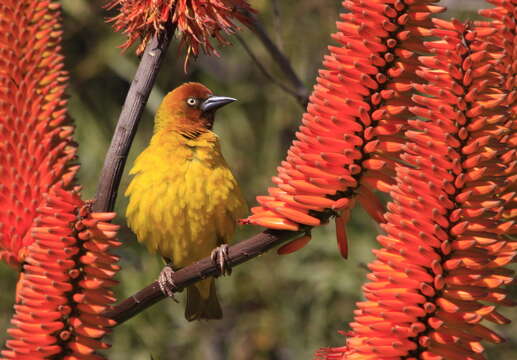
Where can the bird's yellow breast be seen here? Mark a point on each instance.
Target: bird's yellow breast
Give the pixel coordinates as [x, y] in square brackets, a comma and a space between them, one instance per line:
[183, 199]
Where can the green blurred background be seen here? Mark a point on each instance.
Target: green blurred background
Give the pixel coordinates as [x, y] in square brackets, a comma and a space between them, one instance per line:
[274, 307]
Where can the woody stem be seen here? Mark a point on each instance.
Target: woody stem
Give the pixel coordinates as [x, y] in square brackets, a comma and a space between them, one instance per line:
[237, 254]
[129, 117]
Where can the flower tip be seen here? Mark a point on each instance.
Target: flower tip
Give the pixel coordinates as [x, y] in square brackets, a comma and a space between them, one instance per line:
[294, 245]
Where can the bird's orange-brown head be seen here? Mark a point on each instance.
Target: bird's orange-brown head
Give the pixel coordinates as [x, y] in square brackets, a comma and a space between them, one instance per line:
[189, 110]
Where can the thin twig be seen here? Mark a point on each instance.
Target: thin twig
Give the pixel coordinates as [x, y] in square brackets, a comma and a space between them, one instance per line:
[280, 59]
[277, 22]
[238, 254]
[129, 117]
[266, 73]
[301, 92]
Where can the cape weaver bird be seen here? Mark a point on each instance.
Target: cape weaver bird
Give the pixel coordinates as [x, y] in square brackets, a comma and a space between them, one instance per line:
[183, 199]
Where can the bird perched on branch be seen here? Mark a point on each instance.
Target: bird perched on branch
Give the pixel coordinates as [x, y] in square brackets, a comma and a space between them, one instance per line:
[183, 199]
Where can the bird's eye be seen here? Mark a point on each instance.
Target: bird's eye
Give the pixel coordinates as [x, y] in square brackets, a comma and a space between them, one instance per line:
[192, 101]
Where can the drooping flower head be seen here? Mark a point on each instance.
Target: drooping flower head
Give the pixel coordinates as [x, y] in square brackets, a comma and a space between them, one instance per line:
[198, 21]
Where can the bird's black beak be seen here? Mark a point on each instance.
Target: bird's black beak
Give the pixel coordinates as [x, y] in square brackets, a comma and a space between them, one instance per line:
[215, 102]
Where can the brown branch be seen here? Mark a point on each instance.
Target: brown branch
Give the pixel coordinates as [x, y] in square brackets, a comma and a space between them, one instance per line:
[300, 91]
[129, 117]
[238, 254]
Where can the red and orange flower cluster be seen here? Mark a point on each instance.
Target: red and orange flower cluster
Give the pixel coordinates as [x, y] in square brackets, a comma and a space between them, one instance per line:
[451, 173]
[65, 284]
[46, 231]
[441, 271]
[35, 141]
[198, 21]
[352, 131]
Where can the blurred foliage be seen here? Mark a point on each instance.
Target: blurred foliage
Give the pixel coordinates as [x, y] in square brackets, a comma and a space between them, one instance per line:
[274, 307]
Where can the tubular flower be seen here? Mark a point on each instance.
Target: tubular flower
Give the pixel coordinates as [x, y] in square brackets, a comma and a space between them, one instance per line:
[45, 228]
[505, 37]
[35, 142]
[441, 270]
[350, 136]
[65, 284]
[199, 21]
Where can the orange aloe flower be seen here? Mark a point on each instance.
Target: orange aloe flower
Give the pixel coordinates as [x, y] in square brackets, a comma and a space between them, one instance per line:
[65, 283]
[505, 37]
[46, 230]
[350, 136]
[440, 273]
[36, 147]
[199, 21]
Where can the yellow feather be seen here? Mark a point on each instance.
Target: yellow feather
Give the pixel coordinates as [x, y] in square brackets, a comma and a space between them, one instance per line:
[183, 199]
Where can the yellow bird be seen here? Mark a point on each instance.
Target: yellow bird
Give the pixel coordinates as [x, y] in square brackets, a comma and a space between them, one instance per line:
[183, 199]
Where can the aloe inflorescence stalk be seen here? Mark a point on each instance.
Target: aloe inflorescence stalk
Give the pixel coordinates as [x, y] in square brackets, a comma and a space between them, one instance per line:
[46, 231]
[351, 135]
[36, 147]
[65, 284]
[442, 269]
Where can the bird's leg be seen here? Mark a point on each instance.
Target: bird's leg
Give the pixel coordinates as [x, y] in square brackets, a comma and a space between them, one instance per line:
[166, 283]
[220, 257]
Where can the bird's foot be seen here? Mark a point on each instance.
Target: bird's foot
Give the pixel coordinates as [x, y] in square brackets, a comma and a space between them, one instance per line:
[167, 285]
[220, 257]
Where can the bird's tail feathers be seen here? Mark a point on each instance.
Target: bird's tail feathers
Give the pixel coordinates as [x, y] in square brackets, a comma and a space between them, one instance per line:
[198, 308]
